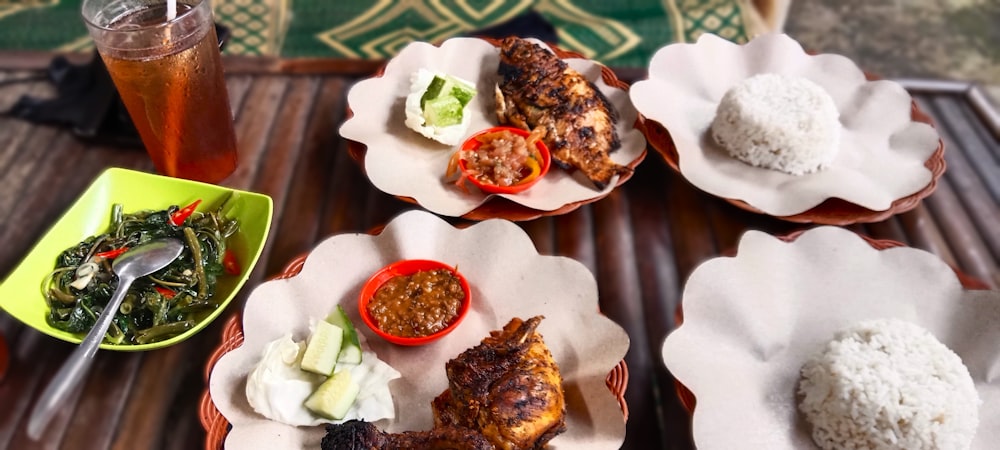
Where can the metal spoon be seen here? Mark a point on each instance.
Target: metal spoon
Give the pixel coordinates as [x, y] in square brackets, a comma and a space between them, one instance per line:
[129, 266]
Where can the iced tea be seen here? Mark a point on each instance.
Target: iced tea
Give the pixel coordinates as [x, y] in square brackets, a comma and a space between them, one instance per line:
[169, 75]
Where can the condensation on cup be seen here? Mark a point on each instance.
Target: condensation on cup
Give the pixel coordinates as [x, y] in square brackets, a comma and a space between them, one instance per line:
[169, 75]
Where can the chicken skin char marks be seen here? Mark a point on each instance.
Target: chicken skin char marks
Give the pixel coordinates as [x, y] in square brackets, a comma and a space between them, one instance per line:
[539, 90]
[508, 387]
[505, 394]
[360, 435]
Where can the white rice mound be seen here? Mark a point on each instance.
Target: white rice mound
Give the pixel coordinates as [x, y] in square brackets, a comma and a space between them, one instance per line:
[449, 135]
[778, 122]
[888, 384]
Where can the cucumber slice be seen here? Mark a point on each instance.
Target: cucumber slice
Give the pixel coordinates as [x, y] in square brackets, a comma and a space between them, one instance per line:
[350, 354]
[433, 90]
[444, 100]
[334, 397]
[322, 349]
[350, 351]
[463, 94]
[443, 111]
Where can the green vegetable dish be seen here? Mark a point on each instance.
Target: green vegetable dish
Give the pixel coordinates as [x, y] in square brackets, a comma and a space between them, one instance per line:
[156, 307]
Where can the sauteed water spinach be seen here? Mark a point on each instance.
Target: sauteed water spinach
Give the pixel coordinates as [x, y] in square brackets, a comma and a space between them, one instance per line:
[158, 306]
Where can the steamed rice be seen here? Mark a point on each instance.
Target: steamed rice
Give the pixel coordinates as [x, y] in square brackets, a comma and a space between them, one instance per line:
[778, 122]
[888, 384]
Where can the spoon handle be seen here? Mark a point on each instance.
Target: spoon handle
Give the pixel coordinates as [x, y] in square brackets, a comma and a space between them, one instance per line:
[74, 370]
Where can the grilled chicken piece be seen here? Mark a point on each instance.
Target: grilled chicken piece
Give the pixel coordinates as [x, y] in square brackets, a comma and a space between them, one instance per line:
[538, 89]
[359, 435]
[508, 388]
[503, 394]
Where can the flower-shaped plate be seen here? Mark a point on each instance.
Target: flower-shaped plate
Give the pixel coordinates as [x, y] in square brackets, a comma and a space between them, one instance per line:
[762, 313]
[890, 156]
[401, 162]
[508, 278]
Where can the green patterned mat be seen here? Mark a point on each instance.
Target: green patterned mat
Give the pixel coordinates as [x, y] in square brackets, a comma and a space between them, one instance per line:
[619, 33]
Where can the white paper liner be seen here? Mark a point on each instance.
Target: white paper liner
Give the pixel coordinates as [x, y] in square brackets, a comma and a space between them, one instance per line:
[752, 320]
[401, 162]
[882, 151]
[508, 278]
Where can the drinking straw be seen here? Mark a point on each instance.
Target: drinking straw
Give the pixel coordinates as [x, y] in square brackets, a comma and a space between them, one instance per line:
[173, 106]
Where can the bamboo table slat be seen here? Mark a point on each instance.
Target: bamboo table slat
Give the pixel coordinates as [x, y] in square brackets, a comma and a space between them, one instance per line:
[641, 242]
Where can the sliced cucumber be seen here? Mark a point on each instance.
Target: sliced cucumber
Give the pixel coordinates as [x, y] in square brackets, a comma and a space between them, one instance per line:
[350, 354]
[323, 348]
[463, 94]
[444, 100]
[433, 90]
[350, 350]
[443, 111]
[334, 397]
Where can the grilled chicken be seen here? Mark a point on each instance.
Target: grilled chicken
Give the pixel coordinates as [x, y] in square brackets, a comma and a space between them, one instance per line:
[504, 394]
[359, 435]
[539, 90]
[508, 388]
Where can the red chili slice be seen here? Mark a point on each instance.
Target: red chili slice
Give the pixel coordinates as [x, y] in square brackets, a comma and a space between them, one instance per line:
[111, 254]
[230, 264]
[178, 218]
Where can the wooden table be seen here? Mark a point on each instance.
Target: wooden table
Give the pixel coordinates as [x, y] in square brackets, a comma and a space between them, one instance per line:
[641, 242]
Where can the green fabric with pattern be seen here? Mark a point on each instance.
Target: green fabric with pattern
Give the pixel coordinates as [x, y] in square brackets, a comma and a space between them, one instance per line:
[622, 33]
[39, 25]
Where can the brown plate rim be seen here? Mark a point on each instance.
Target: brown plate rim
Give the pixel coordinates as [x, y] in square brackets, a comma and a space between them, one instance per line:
[217, 427]
[832, 211]
[687, 397]
[501, 208]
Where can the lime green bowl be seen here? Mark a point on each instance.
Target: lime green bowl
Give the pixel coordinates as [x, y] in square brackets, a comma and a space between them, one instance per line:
[21, 293]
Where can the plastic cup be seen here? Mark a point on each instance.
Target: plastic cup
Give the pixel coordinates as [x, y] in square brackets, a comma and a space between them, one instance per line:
[169, 75]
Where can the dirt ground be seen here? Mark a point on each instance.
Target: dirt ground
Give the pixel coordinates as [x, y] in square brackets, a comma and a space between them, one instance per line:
[935, 39]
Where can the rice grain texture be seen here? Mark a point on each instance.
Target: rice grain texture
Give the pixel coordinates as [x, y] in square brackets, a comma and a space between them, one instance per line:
[888, 384]
[778, 122]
